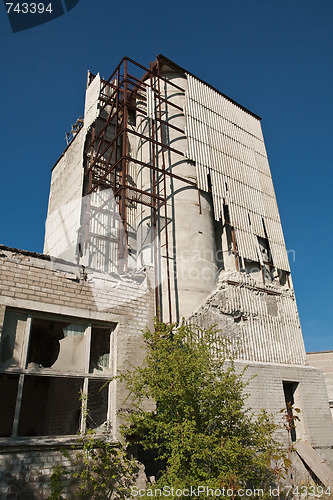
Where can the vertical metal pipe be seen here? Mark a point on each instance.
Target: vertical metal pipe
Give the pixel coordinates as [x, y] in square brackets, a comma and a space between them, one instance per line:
[154, 207]
[122, 252]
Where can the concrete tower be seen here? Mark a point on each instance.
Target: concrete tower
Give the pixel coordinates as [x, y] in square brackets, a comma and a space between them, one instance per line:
[170, 175]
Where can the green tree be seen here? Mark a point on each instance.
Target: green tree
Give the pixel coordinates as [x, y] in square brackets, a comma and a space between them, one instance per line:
[200, 429]
[98, 469]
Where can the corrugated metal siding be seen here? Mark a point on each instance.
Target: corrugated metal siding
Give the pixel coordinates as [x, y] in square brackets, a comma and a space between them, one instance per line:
[226, 142]
[263, 336]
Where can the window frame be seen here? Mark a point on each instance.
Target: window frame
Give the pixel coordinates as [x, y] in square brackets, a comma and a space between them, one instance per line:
[22, 370]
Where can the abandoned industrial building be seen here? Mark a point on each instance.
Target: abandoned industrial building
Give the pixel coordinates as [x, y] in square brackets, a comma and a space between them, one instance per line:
[161, 204]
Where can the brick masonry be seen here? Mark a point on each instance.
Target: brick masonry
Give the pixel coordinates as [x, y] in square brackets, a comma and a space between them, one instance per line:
[35, 283]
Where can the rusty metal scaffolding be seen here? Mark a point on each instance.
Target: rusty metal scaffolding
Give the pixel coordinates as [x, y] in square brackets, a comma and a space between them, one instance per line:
[107, 157]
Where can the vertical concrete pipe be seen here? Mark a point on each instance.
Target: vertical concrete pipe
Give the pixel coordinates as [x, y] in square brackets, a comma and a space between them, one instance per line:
[190, 225]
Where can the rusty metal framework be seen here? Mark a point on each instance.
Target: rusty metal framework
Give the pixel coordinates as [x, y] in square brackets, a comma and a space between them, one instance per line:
[107, 156]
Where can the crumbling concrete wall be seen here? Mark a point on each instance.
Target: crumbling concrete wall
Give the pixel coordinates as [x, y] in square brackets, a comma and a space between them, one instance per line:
[66, 191]
[261, 321]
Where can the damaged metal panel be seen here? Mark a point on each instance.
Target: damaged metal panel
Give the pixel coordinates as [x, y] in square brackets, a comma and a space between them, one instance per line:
[261, 323]
[226, 142]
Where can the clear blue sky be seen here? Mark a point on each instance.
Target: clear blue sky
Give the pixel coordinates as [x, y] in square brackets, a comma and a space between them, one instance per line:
[272, 56]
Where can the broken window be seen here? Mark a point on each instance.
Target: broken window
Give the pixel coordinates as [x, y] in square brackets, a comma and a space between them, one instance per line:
[100, 350]
[97, 406]
[265, 250]
[12, 339]
[57, 345]
[62, 346]
[265, 258]
[57, 366]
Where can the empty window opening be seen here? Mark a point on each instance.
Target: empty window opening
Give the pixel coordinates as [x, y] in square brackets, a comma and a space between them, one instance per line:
[265, 250]
[265, 258]
[289, 389]
[218, 228]
[231, 236]
[283, 277]
[8, 391]
[251, 266]
[50, 406]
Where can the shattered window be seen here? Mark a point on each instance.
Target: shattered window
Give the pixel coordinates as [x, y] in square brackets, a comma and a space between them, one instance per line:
[100, 350]
[265, 250]
[57, 345]
[54, 375]
[12, 339]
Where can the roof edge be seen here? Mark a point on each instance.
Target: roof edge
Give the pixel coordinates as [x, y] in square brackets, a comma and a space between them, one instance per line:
[171, 64]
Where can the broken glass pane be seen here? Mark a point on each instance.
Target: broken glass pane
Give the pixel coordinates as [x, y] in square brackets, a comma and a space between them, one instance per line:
[100, 350]
[97, 405]
[57, 345]
[12, 339]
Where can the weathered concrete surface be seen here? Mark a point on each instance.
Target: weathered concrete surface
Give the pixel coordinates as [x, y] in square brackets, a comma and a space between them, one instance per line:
[324, 361]
[65, 200]
[265, 391]
[315, 462]
[262, 325]
[190, 223]
[91, 111]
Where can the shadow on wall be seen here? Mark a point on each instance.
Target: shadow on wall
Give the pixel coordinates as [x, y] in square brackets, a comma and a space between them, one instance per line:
[19, 482]
[28, 476]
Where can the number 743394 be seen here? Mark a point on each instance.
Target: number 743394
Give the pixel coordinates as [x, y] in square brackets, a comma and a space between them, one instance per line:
[305, 491]
[28, 8]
